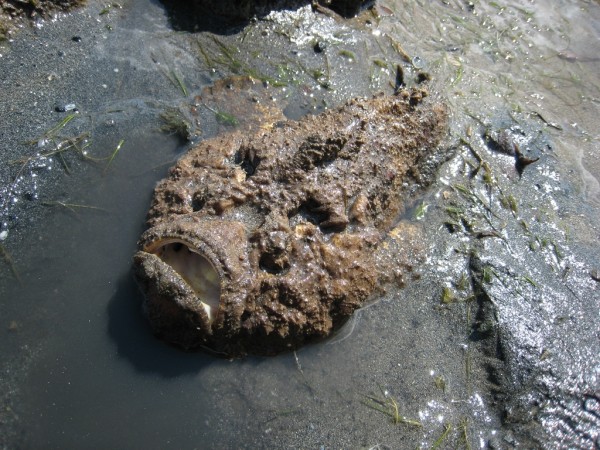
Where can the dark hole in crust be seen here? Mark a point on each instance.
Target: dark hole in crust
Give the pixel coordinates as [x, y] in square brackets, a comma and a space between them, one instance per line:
[333, 228]
[247, 161]
[198, 202]
[271, 264]
[309, 211]
[315, 213]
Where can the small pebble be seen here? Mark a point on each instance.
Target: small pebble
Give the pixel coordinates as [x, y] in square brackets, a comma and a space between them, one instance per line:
[418, 63]
[76, 38]
[13, 326]
[65, 107]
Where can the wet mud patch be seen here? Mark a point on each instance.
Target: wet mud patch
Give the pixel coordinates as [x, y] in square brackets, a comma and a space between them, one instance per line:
[238, 103]
[510, 265]
[243, 102]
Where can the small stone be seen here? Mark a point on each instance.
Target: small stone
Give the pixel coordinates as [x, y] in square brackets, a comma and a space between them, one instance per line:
[509, 438]
[13, 325]
[76, 38]
[418, 62]
[595, 274]
[61, 107]
[592, 405]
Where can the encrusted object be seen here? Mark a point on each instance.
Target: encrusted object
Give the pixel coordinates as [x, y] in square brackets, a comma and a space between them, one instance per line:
[260, 243]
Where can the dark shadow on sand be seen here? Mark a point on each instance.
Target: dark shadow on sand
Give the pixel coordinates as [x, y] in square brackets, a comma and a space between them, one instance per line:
[135, 342]
[230, 16]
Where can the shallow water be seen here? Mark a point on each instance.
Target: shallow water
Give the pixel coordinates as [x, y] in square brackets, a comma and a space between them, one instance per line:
[80, 367]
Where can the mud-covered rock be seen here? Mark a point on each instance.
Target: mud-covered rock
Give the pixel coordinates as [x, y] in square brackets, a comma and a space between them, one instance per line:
[259, 243]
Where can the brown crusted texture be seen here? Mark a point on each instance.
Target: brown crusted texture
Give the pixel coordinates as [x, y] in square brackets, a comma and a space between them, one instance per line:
[296, 221]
